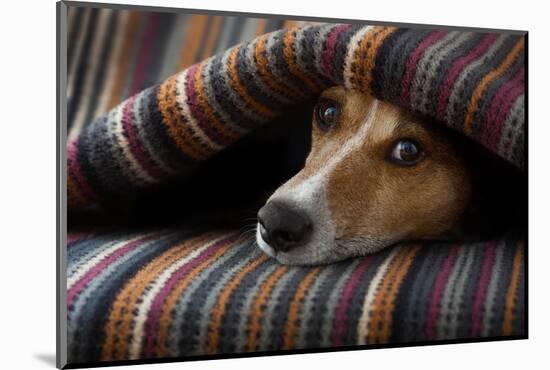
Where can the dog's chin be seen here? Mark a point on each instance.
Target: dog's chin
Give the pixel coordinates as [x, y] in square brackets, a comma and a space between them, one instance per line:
[323, 251]
[305, 255]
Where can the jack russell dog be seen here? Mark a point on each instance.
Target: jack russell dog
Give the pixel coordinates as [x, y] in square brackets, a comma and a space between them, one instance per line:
[376, 175]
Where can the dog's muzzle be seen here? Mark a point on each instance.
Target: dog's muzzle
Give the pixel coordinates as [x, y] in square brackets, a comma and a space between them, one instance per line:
[282, 226]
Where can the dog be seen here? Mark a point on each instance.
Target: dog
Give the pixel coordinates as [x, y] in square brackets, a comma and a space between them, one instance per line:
[376, 175]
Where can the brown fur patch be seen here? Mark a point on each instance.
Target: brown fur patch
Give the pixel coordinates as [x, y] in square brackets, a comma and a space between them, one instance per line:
[371, 196]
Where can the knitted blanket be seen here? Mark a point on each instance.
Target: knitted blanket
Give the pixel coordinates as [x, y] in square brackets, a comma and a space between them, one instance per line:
[167, 292]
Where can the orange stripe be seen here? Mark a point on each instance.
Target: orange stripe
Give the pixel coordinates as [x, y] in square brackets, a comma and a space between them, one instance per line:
[213, 34]
[372, 51]
[288, 52]
[384, 303]
[511, 294]
[119, 323]
[294, 309]
[178, 130]
[258, 307]
[130, 35]
[195, 33]
[170, 303]
[365, 56]
[291, 24]
[266, 75]
[261, 26]
[218, 125]
[486, 80]
[240, 89]
[219, 309]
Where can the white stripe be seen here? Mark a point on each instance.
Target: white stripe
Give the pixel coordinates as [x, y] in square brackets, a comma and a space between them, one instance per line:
[353, 46]
[112, 64]
[151, 292]
[91, 72]
[83, 270]
[183, 109]
[363, 329]
[125, 146]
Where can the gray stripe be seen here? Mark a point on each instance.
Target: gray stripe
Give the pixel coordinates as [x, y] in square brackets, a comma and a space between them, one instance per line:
[395, 64]
[229, 24]
[309, 304]
[453, 307]
[174, 46]
[490, 95]
[183, 304]
[213, 293]
[444, 324]
[249, 29]
[218, 109]
[513, 130]
[91, 248]
[234, 313]
[241, 338]
[464, 77]
[421, 291]
[332, 303]
[422, 94]
[265, 341]
[492, 290]
[141, 105]
[134, 56]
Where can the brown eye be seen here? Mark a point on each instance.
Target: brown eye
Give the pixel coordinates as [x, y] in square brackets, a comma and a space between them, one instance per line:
[326, 114]
[406, 152]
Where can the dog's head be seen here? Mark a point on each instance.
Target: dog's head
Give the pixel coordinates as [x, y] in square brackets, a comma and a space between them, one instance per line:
[376, 175]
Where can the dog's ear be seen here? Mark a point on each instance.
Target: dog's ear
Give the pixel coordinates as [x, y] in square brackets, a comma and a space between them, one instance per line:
[499, 200]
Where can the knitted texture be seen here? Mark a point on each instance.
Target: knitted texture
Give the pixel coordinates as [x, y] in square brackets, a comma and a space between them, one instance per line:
[473, 82]
[162, 294]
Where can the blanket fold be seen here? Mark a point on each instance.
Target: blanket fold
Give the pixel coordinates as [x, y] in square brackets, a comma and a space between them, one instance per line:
[472, 82]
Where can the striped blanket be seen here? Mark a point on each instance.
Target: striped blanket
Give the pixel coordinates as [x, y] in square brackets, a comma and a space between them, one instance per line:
[151, 96]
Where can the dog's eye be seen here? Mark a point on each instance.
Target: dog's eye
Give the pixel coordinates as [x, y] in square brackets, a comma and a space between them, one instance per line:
[326, 114]
[406, 152]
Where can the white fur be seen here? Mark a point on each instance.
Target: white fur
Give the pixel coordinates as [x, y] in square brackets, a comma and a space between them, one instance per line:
[310, 197]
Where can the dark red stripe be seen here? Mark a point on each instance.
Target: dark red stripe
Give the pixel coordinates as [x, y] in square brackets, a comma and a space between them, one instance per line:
[500, 107]
[413, 62]
[194, 104]
[457, 67]
[136, 148]
[340, 323]
[437, 294]
[327, 55]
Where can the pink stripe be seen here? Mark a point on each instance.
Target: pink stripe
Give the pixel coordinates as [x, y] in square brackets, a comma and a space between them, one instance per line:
[500, 107]
[135, 146]
[485, 276]
[144, 57]
[97, 269]
[435, 301]
[76, 174]
[327, 55]
[457, 67]
[413, 61]
[339, 326]
[151, 325]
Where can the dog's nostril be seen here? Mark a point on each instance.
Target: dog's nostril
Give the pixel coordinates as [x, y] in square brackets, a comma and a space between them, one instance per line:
[282, 226]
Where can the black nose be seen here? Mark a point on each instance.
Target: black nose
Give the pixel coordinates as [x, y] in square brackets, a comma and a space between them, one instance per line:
[283, 227]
